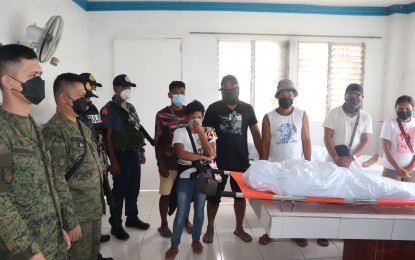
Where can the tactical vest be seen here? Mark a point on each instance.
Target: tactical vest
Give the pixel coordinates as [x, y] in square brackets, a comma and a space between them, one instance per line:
[129, 138]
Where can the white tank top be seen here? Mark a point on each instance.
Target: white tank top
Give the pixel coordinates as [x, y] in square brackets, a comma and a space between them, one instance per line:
[285, 135]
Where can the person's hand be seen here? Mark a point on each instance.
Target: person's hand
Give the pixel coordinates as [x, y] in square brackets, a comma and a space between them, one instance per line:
[403, 173]
[206, 158]
[164, 173]
[142, 157]
[39, 256]
[67, 239]
[345, 161]
[115, 169]
[103, 167]
[197, 127]
[75, 234]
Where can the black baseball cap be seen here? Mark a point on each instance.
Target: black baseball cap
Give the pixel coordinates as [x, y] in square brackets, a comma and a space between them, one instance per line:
[89, 81]
[123, 81]
[230, 78]
[354, 87]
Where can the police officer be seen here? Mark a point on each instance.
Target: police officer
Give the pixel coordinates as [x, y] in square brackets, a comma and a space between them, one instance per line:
[76, 167]
[91, 116]
[30, 220]
[125, 149]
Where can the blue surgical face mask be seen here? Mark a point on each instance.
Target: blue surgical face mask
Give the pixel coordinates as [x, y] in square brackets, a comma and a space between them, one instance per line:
[191, 122]
[178, 99]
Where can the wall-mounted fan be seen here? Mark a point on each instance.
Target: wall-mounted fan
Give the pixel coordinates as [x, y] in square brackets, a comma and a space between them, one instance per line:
[45, 41]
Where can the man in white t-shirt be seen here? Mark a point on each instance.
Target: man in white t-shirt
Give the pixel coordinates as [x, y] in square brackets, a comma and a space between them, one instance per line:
[339, 126]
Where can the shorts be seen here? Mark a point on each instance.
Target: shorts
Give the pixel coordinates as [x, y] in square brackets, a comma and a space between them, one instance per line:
[216, 199]
[167, 183]
[392, 174]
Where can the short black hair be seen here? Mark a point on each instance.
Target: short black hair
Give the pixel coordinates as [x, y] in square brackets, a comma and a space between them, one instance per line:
[176, 84]
[14, 54]
[193, 107]
[404, 98]
[65, 80]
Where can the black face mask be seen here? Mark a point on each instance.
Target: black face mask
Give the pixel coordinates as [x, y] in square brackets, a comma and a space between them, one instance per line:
[285, 102]
[230, 96]
[352, 105]
[33, 89]
[79, 105]
[404, 115]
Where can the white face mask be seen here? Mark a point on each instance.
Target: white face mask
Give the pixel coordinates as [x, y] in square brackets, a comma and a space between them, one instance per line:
[125, 94]
[94, 92]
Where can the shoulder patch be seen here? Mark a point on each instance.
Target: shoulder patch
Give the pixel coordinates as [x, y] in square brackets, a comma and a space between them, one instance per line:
[7, 176]
[105, 110]
[61, 162]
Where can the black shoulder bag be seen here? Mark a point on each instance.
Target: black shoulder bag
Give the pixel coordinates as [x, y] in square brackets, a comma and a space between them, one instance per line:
[81, 158]
[342, 149]
[207, 183]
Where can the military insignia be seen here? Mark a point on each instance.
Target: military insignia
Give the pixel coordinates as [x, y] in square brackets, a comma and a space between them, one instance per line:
[91, 78]
[127, 79]
[88, 86]
[105, 110]
[7, 176]
[61, 162]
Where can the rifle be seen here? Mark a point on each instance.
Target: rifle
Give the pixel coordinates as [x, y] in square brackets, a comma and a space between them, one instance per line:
[105, 183]
[135, 121]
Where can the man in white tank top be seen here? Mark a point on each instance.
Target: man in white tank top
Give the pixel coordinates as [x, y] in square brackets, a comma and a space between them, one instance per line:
[285, 134]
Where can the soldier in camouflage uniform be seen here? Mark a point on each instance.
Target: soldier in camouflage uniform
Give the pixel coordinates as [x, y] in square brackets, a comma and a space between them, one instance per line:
[69, 140]
[30, 221]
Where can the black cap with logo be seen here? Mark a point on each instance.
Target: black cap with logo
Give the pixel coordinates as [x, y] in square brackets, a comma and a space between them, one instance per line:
[123, 81]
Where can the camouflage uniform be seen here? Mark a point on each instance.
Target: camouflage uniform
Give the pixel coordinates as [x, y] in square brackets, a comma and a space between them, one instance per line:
[30, 219]
[81, 196]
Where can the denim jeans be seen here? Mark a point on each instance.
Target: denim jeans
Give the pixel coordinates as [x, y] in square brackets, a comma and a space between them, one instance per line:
[186, 188]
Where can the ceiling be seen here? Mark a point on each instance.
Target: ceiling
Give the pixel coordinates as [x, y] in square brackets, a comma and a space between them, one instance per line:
[378, 3]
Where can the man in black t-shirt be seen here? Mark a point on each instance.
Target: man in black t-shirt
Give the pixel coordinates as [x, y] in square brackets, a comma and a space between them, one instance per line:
[231, 118]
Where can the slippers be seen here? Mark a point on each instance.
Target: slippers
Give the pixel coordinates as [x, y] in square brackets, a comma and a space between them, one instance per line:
[197, 247]
[208, 237]
[301, 242]
[189, 228]
[171, 253]
[244, 236]
[264, 239]
[165, 232]
[323, 242]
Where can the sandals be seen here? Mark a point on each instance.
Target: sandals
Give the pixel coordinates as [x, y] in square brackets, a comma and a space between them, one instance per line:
[301, 242]
[197, 247]
[323, 242]
[189, 227]
[208, 237]
[165, 232]
[244, 236]
[264, 239]
[171, 253]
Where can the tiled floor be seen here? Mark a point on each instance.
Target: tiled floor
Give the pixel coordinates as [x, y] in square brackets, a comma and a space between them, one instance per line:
[146, 245]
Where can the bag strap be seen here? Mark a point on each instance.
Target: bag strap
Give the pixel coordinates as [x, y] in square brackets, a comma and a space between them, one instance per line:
[405, 136]
[354, 130]
[191, 140]
[81, 158]
[175, 117]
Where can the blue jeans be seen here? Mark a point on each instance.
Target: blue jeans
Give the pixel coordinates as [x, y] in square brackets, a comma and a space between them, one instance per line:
[186, 189]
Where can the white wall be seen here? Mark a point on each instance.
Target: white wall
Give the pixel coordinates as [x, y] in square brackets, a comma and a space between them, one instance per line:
[16, 15]
[199, 53]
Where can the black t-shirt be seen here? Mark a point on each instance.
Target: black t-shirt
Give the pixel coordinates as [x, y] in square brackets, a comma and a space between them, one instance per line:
[232, 129]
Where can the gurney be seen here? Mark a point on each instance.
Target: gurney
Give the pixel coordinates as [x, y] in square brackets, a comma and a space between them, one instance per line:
[364, 225]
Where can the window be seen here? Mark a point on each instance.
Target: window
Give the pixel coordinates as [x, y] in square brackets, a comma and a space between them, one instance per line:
[258, 66]
[324, 71]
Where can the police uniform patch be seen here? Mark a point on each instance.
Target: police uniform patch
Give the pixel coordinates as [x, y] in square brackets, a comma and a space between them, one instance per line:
[61, 162]
[91, 78]
[127, 79]
[105, 110]
[7, 176]
[88, 86]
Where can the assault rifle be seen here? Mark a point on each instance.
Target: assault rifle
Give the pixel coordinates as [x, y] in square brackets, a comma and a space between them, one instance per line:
[135, 121]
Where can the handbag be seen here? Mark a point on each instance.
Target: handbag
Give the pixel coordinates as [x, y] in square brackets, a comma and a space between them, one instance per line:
[344, 150]
[206, 184]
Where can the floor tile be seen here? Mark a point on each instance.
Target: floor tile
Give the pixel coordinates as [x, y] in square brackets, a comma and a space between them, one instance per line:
[249, 251]
[313, 250]
[281, 251]
[121, 251]
[226, 235]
